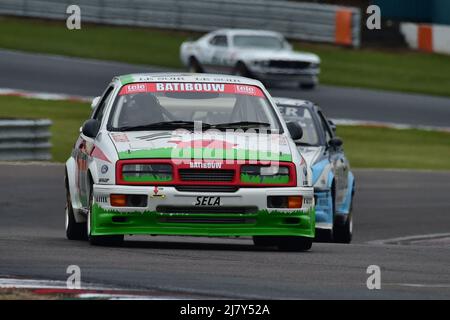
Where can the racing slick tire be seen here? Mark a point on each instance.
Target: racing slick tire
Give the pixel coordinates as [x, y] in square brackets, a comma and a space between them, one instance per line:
[343, 231]
[265, 241]
[327, 235]
[241, 70]
[194, 65]
[296, 244]
[110, 240]
[74, 230]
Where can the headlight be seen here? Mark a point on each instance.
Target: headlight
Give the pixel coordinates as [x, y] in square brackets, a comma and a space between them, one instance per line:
[260, 62]
[264, 174]
[147, 172]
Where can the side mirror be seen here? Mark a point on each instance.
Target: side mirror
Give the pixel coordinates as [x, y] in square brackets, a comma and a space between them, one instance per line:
[91, 128]
[332, 125]
[336, 142]
[95, 102]
[295, 129]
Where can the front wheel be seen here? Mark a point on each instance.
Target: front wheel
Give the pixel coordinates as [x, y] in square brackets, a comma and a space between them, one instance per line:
[295, 244]
[109, 240]
[343, 233]
[265, 241]
[194, 66]
[74, 230]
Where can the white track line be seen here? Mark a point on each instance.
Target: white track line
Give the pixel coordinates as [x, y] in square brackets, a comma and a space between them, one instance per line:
[410, 238]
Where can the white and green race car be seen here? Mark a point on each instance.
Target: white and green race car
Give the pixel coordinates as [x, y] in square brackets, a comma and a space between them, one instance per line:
[188, 154]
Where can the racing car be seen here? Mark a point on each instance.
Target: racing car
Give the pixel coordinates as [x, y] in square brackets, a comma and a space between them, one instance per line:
[334, 183]
[263, 55]
[188, 154]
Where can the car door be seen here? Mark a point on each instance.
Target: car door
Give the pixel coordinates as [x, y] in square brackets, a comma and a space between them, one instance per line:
[215, 59]
[338, 161]
[84, 147]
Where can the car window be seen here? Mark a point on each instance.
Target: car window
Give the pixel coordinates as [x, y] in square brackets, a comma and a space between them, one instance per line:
[302, 116]
[100, 110]
[143, 104]
[325, 126]
[219, 41]
[258, 41]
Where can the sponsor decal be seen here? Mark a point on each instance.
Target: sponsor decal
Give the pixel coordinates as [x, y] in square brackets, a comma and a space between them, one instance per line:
[205, 165]
[156, 193]
[191, 87]
[207, 201]
[98, 154]
[120, 137]
[136, 88]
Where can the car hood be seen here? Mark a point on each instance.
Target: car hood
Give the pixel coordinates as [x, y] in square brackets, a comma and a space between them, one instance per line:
[185, 144]
[289, 55]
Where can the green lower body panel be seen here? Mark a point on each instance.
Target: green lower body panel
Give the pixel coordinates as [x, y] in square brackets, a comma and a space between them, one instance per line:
[262, 223]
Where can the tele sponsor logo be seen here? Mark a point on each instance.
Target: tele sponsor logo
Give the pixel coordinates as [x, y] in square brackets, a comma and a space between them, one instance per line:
[134, 88]
[245, 89]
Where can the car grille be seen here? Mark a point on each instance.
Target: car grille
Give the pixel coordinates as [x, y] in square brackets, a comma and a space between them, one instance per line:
[208, 189]
[206, 175]
[206, 210]
[289, 64]
[207, 220]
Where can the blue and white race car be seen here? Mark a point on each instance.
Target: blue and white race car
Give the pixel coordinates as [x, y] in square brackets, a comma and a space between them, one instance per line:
[334, 183]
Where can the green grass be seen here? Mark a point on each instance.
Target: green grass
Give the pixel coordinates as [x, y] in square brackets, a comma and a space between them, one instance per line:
[397, 70]
[67, 119]
[391, 148]
[365, 147]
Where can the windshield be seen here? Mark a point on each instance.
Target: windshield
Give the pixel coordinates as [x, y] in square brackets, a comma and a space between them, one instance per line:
[304, 117]
[250, 41]
[158, 106]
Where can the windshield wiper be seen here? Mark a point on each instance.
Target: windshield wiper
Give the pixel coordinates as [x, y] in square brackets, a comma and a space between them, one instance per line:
[165, 125]
[240, 124]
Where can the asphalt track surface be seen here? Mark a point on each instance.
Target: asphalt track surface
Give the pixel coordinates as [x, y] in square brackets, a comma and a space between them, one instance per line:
[56, 74]
[388, 204]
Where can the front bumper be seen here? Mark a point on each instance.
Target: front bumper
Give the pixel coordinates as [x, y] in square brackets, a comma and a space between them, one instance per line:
[108, 220]
[304, 76]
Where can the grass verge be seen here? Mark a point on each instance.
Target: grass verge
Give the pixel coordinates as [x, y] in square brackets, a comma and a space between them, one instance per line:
[402, 70]
[365, 147]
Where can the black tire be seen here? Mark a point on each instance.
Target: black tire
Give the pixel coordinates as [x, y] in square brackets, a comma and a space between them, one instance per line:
[308, 86]
[194, 65]
[295, 244]
[110, 240]
[265, 241]
[327, 235]
[343, 232]
[74, 230]
[324, 235]
[241, 70]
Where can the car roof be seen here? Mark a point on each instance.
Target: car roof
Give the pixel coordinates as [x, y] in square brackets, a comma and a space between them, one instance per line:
[233, 32]
[186, 77]
[290, 102]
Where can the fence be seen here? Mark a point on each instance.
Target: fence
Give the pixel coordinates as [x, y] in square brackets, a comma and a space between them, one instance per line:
[25, 139]
[296, 20]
